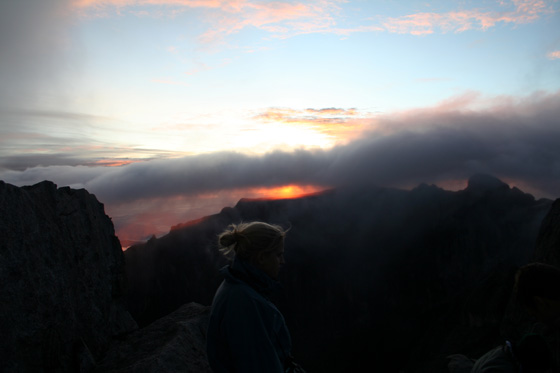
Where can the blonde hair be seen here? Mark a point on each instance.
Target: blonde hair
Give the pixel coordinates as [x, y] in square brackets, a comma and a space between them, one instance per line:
[247, 240]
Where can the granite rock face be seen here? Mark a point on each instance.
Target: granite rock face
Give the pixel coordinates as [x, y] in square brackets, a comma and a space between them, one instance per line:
[174, 343]
[61, 280]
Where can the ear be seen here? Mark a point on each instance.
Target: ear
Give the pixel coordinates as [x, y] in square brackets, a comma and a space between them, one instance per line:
[540, 302]
[260, 258]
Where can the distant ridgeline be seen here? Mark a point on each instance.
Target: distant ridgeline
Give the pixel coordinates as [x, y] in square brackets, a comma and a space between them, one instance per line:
[374, 276]
[380, 277]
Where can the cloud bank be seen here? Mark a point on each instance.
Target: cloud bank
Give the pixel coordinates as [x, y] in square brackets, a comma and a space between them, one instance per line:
[514, 139]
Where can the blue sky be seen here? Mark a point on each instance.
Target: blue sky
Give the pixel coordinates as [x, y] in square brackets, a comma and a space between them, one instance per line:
[187, 60]
[93, 88]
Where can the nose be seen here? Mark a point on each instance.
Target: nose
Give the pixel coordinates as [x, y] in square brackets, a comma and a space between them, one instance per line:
[282, 260]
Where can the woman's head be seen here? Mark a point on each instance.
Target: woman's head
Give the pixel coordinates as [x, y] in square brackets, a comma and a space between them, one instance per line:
[537, 287]
[260, 243]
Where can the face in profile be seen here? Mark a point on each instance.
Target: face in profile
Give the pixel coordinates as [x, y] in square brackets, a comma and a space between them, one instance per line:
[547, 310]
[271, 262]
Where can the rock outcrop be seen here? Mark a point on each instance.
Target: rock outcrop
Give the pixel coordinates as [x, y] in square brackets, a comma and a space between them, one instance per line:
[174, 343]
[61, 280]
[548, 243]
[513, 319]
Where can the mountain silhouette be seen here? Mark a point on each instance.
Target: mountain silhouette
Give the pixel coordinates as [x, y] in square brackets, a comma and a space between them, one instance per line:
[376, 276]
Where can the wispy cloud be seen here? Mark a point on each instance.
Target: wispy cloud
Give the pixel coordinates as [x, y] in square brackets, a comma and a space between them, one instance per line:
[54, 114]
[341, 125]
[524, 11]
[279, 18]
[283, 19]
[47, 138]
[554, 55]
[326, 115]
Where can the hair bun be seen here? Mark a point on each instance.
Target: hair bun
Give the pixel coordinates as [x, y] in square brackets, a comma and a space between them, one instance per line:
[228, 239]
[248, 239]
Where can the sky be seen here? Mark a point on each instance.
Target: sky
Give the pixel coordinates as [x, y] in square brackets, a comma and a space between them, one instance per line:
[169, 110]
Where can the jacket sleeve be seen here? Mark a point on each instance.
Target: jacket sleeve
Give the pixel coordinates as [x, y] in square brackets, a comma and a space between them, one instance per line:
[495, 361]
[249, 332]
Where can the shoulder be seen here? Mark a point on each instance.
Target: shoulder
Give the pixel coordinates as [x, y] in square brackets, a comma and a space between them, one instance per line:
[239, 290]
[239, 295]
[495, 360]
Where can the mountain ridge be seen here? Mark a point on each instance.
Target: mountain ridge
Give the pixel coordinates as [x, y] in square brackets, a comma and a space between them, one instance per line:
[368, 254]
[399, 279]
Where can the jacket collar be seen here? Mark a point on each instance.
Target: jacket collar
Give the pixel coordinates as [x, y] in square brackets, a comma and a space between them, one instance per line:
[242, 270]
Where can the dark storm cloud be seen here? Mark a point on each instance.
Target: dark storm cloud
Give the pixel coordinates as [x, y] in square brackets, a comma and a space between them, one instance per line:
[56, 115]
[22, 162]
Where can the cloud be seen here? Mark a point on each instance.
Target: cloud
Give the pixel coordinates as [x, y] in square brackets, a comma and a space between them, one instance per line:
[284, 19]
[515, 139]
[554, 55]
[57, 115]
[326, 115]
[525, 11]
[280, 18]
[341, 125]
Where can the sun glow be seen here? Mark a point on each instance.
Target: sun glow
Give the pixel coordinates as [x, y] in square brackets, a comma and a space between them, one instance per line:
[115, 162]
[137, 221]
[291, 191]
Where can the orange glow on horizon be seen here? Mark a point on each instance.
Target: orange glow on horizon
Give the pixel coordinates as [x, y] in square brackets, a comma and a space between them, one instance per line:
[136, 222]
[114, 162]
[290, 191]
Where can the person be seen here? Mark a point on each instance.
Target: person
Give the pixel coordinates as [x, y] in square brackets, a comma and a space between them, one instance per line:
[537, 292]
[246, 331]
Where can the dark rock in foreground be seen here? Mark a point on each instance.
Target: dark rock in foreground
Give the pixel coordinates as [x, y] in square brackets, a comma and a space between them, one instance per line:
[375, 276]
[61, 280]
[174, 343]
[548, 243]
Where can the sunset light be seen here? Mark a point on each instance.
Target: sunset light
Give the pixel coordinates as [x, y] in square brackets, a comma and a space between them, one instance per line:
[371, 167]
[114, 162]
[171, 110]
[287, 191]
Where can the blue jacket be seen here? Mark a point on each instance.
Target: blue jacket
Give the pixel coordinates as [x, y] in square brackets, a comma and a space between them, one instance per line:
[246, 332]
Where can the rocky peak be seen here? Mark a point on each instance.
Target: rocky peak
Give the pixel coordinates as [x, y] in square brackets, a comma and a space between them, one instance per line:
[485, 182]
[61, 279]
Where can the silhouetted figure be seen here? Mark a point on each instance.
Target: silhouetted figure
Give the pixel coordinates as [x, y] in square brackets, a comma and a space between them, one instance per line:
[537, 292]
[246, 332]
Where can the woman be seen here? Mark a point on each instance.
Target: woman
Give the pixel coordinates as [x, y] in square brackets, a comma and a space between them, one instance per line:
[246, 332]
